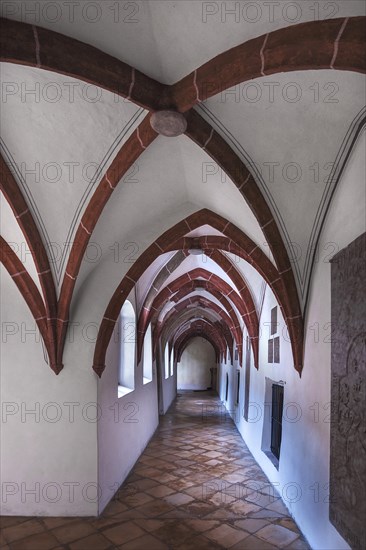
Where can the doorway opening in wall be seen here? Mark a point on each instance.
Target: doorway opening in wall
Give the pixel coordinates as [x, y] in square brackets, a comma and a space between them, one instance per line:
[272, 420]
[276, 419]
[227, 386]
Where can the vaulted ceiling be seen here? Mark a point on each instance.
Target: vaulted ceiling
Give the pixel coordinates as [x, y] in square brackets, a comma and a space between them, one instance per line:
[272, 108]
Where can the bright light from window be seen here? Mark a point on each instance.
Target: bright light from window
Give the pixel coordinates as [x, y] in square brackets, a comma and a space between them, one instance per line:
[166, 361]
[126, 372]
[171, 363]
[147, 356]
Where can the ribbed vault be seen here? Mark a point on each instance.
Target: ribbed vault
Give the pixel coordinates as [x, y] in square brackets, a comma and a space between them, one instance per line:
[221, 296]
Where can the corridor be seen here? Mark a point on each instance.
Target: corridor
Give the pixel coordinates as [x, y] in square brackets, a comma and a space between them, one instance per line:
[196, 486]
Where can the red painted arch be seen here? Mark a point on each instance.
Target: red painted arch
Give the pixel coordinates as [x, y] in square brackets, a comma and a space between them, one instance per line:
[31, 295]
[214, 328]
[327, 44]
[164, 330]
[218, 149]
[24, 218]
[199, 329]
[30, 45]
[126, 156]
[175, 290]
[209, 287]
[231, 321]
[236, 242]
[177, 353]
[162, 276]
[229, 268]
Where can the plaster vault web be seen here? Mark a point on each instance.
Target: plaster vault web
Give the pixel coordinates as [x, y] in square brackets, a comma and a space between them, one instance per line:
[329, 44]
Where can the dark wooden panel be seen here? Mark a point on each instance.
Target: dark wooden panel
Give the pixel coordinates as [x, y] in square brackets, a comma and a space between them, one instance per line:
[247, 380]
[276, 349]
[270, 351]
[348, 394]
[276, 419]
[273, 320]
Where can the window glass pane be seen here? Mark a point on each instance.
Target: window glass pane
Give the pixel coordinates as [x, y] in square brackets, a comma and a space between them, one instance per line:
[270, 351]
[126, 373]
[274, 320]
[147, 356]
[276, 349]
[166, 361]
[276, 420]
[238, 387]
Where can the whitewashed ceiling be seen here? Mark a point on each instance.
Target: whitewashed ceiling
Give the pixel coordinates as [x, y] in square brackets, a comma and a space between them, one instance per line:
[296, 129]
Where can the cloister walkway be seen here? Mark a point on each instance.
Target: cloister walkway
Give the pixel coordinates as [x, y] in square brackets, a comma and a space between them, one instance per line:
[196, 486]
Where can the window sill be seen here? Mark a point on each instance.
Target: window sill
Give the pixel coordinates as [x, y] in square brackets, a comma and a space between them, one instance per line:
[273, 459]
[146, 380]
[122, 390]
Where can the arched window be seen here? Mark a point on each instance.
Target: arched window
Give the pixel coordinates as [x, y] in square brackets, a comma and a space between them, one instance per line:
[171, 363]
[147, 357]
[166, 361]
[126, 373]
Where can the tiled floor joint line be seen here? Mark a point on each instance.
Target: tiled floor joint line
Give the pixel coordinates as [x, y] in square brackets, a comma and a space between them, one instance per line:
[196, 486]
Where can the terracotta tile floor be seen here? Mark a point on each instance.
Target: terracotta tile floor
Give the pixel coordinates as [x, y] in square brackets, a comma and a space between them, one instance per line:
[196, 486]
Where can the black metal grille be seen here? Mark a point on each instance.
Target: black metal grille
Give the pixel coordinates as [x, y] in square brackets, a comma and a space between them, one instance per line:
[273, 320]
[276, 426]
[238, 387]
[276, 349]
[270, 350]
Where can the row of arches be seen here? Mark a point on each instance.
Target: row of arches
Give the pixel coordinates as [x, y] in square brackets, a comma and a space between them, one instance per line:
[236, 297]
[336, 43]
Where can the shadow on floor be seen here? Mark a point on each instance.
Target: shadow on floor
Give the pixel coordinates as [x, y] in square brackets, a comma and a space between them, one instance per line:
[196, 486]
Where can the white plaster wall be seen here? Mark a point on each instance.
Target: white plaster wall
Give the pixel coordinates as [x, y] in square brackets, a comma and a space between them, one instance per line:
[53, 452]
[303, 474]
[193, 371]
[169, 389]
[126, 425]
[65, 452]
